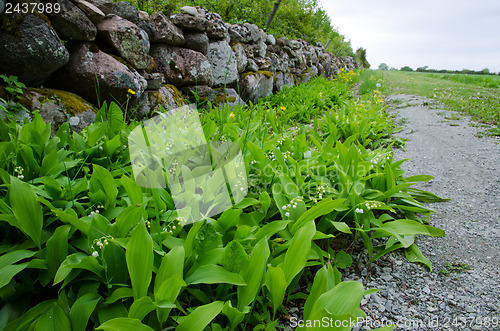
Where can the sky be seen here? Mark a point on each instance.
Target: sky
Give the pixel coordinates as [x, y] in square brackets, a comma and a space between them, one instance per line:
[441, 34]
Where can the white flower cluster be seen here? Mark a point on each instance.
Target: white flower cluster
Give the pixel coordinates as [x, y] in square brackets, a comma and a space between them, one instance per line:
[178, 221]
[292, 204]
[173, 168]
[19, 170]
[359, 211]
[101, 242]
[241, 180]
[319, 193]
[169, 145]
[287, 154]
[372, 204]
[270, 155]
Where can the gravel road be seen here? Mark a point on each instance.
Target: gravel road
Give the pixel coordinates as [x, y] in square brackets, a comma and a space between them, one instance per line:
[466, 168]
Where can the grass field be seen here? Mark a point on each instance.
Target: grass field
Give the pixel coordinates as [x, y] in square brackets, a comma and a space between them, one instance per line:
[463, 93]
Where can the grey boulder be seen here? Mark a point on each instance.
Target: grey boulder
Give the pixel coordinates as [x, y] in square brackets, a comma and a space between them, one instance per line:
[71, 23]
[182, 66]
[165, 31]
[32, 51]
[223, 61]
[129, 41]
[97, 76]
[197, 41]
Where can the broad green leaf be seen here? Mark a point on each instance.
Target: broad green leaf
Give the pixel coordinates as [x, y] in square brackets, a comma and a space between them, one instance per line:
[24, 322]
[133, 190]
[233, 314]
[190, 239]
[199, 318]
[406, 227]
[57, 248]
[419, 178]
[78, 261]
[54, 319]
[324, 281]
[141, 307]
[323, 207]
[139, 256]
[343, 260]
[297, 254]
[234, 256]
[276, 284]
[253, 274]
[103, 180]
[82, 309]
[214, 274]
[78, 223]
[270, 229]
[26, 209]
[171, 264]
[265, 201]
[124, 324]
[13, 257]
[119, 293]
[6, 273]
[229, 218]
[343, 299]
[341, 226]
[115, 118]
[128, 218]
[414, 255]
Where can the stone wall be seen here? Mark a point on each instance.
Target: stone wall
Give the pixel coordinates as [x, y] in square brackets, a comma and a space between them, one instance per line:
[105, 51]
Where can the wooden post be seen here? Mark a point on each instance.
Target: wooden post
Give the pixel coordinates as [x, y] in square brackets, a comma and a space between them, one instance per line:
[273, 13]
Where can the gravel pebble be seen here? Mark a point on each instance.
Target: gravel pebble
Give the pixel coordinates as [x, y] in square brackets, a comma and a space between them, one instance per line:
[466, 170]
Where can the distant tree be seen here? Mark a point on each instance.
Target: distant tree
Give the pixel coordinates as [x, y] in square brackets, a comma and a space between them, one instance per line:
[383, 66]
[422, 69]
[361, 57]
[485, 71]
[406, 68]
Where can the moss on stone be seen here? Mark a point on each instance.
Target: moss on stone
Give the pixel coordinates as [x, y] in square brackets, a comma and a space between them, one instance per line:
[10, 23]
[122, 61]
[221, 97]
[155, 97]
[152, 66]
[234, 43]
[43, 17]
[178, 98]
[73, 103]
[267, 74]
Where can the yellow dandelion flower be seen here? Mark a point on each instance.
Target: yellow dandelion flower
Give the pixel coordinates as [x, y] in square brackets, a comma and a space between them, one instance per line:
[130, 91]
[283, 108]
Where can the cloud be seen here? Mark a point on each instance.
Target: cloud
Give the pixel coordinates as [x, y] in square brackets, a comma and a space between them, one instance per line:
[441, 34]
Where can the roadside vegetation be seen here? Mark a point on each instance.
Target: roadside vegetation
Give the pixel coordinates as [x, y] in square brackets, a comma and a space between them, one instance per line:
[83, 246]
[475, 95]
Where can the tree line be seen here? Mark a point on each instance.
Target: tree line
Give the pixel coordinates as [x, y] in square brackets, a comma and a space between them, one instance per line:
[485, 71]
